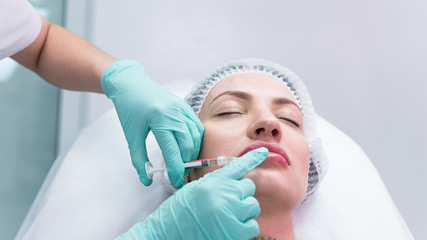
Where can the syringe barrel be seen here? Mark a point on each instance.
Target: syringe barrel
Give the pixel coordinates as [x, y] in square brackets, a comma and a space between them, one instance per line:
[223, 160]
[218, 161]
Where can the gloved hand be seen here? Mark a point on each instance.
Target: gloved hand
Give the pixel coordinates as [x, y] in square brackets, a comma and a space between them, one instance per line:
[218, 206]
[143, 105]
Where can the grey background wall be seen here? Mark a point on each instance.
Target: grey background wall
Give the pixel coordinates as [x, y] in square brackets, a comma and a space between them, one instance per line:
[363, 61]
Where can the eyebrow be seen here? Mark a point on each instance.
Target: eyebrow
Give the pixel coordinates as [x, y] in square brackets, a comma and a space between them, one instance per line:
[248, 97]
[238, 94]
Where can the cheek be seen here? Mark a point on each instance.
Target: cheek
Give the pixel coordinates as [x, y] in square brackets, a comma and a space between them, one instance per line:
[219, 139]
[298, 147]
[299, 152]
[303, 153]
[303, 165]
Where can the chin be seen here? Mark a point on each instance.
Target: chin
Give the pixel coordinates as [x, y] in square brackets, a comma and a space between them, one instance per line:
[277, 187]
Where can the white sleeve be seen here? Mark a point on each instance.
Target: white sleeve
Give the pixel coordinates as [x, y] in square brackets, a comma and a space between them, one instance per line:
[20, 26]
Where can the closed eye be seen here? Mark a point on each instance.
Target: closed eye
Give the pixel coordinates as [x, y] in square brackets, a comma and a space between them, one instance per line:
[228, 113]
[290, 121]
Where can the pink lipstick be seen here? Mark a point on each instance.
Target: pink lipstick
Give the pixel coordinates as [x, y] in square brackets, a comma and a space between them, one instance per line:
[275, 152]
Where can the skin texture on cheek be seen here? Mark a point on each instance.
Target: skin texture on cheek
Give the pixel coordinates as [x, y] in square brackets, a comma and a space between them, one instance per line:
[219, 136]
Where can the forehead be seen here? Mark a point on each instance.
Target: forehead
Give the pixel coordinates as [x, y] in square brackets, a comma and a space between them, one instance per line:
[256, 84]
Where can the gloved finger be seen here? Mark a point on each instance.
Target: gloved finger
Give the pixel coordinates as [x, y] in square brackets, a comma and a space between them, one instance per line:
[185, 143]
[237, 168]
[186, 147]
[172, 157]
[139, 157]
[250, 229]
[246, 209]
[196, 129]
[247, 187]
[243, 230]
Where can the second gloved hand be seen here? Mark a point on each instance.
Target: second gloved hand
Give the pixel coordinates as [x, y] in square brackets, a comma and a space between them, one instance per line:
[218, 206]
[143, 105]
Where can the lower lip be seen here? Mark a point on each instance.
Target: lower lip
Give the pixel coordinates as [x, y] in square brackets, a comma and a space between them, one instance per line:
[276, 158]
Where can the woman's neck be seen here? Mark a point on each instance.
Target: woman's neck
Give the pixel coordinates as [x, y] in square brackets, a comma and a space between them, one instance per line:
[274, 221]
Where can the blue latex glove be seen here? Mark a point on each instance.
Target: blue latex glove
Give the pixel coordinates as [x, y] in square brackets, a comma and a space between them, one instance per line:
[218, 206]
[143, 105]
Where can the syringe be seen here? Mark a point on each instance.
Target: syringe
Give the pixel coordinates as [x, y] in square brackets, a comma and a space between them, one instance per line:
[217, 161]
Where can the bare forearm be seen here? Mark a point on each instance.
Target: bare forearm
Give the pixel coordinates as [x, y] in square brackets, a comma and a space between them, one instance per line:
[65, 60]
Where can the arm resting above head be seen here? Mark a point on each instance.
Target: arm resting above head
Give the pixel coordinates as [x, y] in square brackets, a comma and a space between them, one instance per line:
[64, 59]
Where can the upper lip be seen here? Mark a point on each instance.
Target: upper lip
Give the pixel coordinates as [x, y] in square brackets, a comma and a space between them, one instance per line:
[272, 147]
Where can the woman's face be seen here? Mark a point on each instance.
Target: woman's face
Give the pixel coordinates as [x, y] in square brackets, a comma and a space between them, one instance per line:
[250, 110]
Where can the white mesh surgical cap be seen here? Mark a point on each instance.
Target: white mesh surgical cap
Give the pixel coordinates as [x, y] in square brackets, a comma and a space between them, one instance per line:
[318, 161]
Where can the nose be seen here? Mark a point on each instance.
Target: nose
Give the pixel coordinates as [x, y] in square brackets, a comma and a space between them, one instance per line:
[266, 128]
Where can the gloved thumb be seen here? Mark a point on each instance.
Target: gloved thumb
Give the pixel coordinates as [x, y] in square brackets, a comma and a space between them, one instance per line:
[237, 168]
